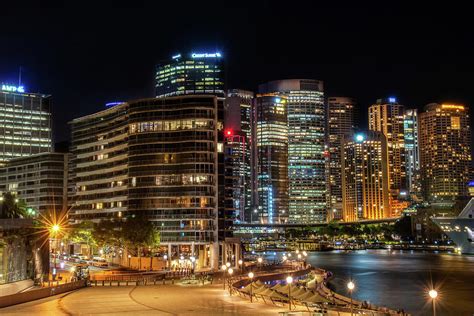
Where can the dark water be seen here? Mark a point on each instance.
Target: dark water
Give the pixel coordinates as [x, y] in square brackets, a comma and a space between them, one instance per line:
[402, 279]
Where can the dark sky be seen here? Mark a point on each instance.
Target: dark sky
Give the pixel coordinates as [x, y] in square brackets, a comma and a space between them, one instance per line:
[88, 55]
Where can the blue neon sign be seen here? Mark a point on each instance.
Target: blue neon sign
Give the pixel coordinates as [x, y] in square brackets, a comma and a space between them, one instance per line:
[11, 88]
[176, 56]
[111, 104]
[206, 55]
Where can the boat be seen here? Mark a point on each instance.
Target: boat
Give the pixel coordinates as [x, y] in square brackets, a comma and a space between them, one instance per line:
[460, 229]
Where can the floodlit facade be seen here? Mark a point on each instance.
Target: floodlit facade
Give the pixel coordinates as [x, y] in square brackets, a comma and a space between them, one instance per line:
[365, 177]
[190, 73]
[26, 123]
[412, 153]
[157, 157]
[306, 147]
[39, 180]
[387, 117]
[340, 126]
[445, 152]
[271, 142]
[238, 153]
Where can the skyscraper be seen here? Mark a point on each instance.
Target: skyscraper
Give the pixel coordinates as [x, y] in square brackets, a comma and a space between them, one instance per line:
[191, 73]
[271, 141]
[238, 152]
[26, 123]
[387, 117]
[157, 157]
[365, 177]
[445, 153]
[340, 126]
[412, 153]
[306, 147]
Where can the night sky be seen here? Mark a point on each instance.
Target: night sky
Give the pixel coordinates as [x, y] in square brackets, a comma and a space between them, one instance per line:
[87, 56]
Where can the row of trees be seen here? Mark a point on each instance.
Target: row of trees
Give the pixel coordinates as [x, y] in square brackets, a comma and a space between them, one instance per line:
[136, 234]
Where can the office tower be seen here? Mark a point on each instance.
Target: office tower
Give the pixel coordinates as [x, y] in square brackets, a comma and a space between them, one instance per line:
[340, 126]
[238, 146]
[191, 73]
[26, 123]
[271, 141]
[386, 116]
[365, 177]
[306, 147]
[412, 153]
[157, 157]
[445, 152]
[39, 180]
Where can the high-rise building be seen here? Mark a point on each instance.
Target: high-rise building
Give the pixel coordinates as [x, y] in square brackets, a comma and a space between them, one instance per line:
[39, 180]
[412, 153]
[365, 177]
[445, 152]
[26, 123]
[238, 153]
[271, 143]
[306, 147]
[157, 157]
[387, 117]
[340, 126]
[191, 73]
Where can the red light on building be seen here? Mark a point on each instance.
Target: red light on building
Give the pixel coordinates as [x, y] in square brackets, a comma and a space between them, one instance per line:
[228, 132]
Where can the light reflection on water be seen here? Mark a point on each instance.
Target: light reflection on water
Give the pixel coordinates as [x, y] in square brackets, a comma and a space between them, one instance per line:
[401, 279]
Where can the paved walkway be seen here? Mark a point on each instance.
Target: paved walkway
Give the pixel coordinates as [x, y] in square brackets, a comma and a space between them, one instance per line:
[15, 287]
[144, 300]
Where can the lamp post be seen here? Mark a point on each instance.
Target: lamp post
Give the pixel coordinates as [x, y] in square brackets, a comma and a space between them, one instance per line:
[193, 262]
[433, 294]
[289, 280]
[240, 262]
[54, 230]
[224, 268]
[351, 287]
[259, 260]
[230, 278]
[251, 286]
[129, 256]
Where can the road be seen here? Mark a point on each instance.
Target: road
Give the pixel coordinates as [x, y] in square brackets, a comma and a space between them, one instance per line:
[144, 300]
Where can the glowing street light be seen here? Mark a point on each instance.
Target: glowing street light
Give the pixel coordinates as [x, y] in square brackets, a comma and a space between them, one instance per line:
[224, 267]
[227, 264]
[55, 228]
[351, 287]
[433, 295]
[251, 286]
[289, 280]
[284, 258]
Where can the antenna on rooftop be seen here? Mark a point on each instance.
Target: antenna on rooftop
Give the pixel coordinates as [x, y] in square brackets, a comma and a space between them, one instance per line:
[19, 77]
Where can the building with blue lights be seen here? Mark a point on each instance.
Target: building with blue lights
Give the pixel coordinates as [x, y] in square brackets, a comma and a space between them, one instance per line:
[412, 153]
[191, 73]
[26, 123]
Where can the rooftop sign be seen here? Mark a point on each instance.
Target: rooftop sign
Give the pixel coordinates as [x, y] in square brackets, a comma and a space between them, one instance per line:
[206, 55]
[10, 88]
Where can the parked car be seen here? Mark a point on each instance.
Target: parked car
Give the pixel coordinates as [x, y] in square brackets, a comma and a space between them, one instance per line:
[99, 262]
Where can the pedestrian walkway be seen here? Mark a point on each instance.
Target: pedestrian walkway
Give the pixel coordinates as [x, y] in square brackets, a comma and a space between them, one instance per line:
[15, 287]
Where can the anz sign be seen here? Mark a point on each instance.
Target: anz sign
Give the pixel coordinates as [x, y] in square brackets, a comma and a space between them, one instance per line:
[10, 88]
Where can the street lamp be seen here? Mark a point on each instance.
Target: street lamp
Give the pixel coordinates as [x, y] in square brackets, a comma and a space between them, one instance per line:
[230, 278]
[54, 230]
[224, 267]
[227, 264]
[433, 294]
[251, 286]
[284, 258]
[351, 287]
[193, 261]
[129, 256]
[289, 280]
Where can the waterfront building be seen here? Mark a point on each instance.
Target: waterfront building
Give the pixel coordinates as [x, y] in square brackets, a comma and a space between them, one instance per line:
[365, 177]
[39, 180]
[305, 114]
[271, 143]
[25, 123]
[238, 153]
[190, 73]
[340, 126]
[445, 153]
[412, 153]
[387, 116]
[157, 157]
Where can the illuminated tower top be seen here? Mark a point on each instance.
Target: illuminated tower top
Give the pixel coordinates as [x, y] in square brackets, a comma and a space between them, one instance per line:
[191, 73]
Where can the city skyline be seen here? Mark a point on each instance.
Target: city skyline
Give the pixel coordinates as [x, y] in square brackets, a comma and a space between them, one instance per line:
[366, 73]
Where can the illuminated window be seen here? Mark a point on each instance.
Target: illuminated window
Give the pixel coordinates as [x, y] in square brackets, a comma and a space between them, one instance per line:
[455, 122]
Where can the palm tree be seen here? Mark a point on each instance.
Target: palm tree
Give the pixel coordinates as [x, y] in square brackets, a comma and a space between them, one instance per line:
[12, 207]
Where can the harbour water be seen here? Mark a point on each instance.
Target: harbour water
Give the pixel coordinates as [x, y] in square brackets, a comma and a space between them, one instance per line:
[402, 279]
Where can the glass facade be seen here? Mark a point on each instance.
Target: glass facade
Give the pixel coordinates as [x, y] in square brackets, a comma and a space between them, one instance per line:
[271, 135]
[445, 152]
[193, 73]
[412, 153]
[25, 124]
[340, 126]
